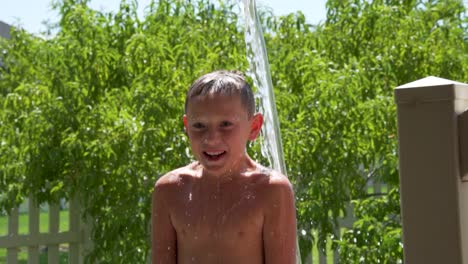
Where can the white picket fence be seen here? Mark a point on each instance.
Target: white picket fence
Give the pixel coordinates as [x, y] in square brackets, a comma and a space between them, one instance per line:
[76, 237]
[316, 256]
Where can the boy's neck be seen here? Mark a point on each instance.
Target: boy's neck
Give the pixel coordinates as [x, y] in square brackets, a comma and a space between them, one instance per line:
[244, 166]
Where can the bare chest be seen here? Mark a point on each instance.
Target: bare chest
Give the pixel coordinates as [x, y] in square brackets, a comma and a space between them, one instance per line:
[217, 215]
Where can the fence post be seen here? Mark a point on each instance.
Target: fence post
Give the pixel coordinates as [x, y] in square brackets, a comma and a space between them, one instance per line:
[434, 199]
[33, 213]
[12, 252]
[81, 248]
[54, 219]
[74, 220]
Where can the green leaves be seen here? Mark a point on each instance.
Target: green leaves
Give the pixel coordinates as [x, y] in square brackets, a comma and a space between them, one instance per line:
[376, 237]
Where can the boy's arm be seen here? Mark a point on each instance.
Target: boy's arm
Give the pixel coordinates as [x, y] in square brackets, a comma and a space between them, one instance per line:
[164, 238]
[279, 228]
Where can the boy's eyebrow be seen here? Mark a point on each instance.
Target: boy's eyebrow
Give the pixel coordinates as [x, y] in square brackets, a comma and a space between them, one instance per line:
[196, 118]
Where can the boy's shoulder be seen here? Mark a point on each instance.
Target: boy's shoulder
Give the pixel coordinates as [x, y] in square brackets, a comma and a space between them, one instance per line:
[274, 177]
[274, 181]
[175, 177]
[276, 190]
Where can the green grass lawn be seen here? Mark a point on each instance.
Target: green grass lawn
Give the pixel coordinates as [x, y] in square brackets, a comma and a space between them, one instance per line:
[43, 223]
[43, 228]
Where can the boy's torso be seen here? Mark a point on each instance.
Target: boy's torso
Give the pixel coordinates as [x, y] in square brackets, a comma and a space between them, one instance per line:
[219, 221]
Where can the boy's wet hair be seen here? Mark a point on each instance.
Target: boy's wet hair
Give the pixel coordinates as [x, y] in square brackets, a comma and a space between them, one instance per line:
[223, 82]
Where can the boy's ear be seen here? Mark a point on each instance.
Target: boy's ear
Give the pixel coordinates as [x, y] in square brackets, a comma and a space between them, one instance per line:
[185, 123]
[256, 126]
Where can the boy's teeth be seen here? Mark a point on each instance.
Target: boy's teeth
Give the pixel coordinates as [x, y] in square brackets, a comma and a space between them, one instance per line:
[214, 153]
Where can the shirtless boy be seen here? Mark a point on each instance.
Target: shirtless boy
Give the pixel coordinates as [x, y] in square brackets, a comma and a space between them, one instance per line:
[224, 207]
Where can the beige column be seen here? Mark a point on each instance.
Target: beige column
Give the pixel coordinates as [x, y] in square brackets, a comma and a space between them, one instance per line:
[434, 197]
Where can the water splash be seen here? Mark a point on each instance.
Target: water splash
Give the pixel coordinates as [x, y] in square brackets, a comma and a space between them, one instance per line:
[260, 73]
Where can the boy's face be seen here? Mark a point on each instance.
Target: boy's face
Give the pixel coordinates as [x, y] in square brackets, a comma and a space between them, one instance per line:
[218, 128]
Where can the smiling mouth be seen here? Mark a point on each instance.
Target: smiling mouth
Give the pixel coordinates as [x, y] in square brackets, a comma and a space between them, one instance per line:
[213, 156]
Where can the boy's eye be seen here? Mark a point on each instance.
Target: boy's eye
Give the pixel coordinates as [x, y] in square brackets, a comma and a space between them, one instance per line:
[198, 125]
[226, 124]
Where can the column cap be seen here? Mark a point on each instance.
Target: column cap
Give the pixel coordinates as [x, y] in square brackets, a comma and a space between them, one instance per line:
[430, 89]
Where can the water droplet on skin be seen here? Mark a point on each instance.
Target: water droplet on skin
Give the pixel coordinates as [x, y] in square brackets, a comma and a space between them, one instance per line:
[190, 197]
[168, 248]
[195, 237]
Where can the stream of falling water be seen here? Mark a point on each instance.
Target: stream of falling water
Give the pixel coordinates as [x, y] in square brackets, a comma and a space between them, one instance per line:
[259, 71]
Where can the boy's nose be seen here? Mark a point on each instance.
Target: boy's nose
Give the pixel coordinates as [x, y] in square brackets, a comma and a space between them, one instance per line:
[211, 137]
